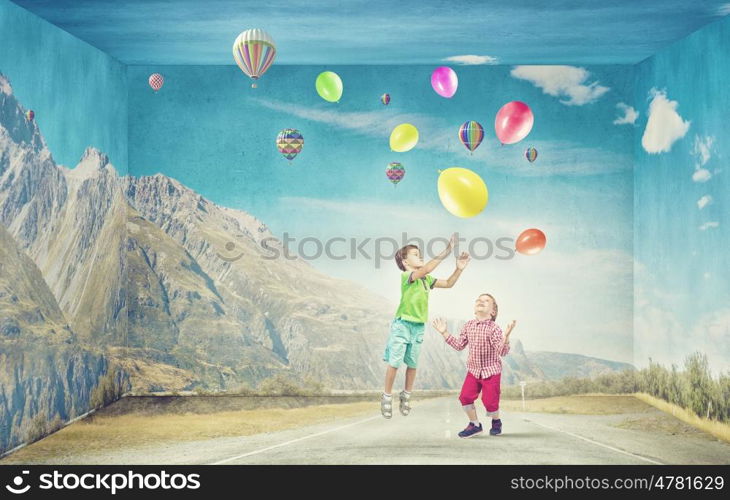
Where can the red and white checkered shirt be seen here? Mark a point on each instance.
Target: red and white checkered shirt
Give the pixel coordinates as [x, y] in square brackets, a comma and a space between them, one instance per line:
[486, 346]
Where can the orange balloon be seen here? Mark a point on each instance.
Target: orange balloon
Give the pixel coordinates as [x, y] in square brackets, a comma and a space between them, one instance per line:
[530, 242]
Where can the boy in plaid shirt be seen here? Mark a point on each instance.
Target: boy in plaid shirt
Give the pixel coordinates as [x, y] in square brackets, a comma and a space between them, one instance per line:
[484, 364]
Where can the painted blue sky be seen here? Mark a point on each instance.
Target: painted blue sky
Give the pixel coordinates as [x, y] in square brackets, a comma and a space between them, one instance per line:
[78, 93]
[215, 134]
[682, 187]
[382, 31]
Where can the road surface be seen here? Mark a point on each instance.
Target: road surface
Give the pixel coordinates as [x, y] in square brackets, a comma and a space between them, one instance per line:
[429, 436]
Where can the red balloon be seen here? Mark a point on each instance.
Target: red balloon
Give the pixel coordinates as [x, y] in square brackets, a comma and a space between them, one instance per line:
[530, 242]
[513, 122]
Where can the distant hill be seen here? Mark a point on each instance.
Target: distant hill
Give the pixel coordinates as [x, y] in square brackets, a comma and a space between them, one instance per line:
[557, 365]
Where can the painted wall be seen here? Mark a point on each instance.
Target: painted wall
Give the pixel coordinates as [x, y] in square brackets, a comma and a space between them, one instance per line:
[682, 200]
[78, 93]
[62, 267]
[208, 129]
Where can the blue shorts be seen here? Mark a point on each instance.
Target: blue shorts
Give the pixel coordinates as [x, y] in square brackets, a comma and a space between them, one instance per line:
[404, 343]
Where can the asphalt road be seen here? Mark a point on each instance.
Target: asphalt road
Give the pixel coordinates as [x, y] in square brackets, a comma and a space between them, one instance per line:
[429, 436]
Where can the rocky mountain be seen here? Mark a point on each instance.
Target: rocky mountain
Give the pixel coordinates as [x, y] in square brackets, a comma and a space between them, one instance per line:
[236, 312]
[71, 222]
[46, 376]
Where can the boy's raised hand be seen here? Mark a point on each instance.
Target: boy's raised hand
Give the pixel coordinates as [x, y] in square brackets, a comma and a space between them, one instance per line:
[440, 325]
[462, 260]
[510, 327]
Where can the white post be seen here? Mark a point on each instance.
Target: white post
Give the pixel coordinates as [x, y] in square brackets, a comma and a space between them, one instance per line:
[522, 387]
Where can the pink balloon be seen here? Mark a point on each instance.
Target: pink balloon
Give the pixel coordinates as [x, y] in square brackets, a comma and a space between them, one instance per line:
[513, 122]
[444, 81]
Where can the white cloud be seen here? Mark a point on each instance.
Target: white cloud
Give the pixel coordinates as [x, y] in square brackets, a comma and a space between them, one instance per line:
[664, 126]
[701, 175]
[366, 122]
[707, 276]
[629, 115]
[471, 60]
[702, 150]
[562, 81]
[708, 225]
[704, 201]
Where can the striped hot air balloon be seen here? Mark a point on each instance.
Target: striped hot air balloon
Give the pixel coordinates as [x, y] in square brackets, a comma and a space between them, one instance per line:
[290, 143]
[156, 81]
[385, 99]
[471, 134]
[29, 115]
[395, 172]
[254, 51]
[531, 154]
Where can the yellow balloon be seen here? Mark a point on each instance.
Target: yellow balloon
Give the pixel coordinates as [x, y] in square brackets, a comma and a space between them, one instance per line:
[403, 138]
[462, 192]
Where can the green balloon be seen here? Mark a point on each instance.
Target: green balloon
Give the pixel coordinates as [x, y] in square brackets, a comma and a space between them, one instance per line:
[329, 86]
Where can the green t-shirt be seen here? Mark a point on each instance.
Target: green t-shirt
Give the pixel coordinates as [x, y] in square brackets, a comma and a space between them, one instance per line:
[414, 298]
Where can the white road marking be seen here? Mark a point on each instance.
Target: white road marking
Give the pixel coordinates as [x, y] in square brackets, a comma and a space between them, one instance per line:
[294, 441]
[596, 443]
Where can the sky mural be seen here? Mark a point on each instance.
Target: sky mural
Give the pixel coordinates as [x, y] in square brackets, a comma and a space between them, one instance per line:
[681, 201]
[207, 128]
[372, 32]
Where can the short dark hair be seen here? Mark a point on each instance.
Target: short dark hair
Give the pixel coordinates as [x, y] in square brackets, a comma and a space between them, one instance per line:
[401, 254]
[496, 307]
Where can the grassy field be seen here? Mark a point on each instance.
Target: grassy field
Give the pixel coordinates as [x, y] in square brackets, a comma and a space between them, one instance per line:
[584, 404]
[103, 433]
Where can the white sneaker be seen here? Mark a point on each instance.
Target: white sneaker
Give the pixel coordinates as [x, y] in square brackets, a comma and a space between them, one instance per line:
[405, 404]
[386, 406]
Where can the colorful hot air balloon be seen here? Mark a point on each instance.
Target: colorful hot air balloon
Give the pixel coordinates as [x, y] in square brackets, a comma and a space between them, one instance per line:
[290, 143]
[531, 154]
[254, 51]
[471, 135]
[395, 172]
[29, 115]
[385, 99]
[156, 81]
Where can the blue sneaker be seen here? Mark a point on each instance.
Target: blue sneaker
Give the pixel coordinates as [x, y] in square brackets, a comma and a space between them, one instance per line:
[496, 427]
[471, 430]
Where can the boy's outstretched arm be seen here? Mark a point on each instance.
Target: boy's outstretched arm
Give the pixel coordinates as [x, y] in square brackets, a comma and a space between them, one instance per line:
[461, 263]
[504, 347]
[459, 344]
[431, 264]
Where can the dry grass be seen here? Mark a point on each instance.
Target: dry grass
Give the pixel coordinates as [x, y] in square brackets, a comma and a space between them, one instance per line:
[104, 433]
[585, 404]
[720, 430]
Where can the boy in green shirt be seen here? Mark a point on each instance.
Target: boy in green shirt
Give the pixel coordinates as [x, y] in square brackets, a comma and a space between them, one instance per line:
[406, 331]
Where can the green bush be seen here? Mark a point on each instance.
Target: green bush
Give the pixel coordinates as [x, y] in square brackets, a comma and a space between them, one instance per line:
[693, 388]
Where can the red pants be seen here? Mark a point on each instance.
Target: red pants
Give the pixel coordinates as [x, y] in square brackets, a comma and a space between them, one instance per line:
[489, 388]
